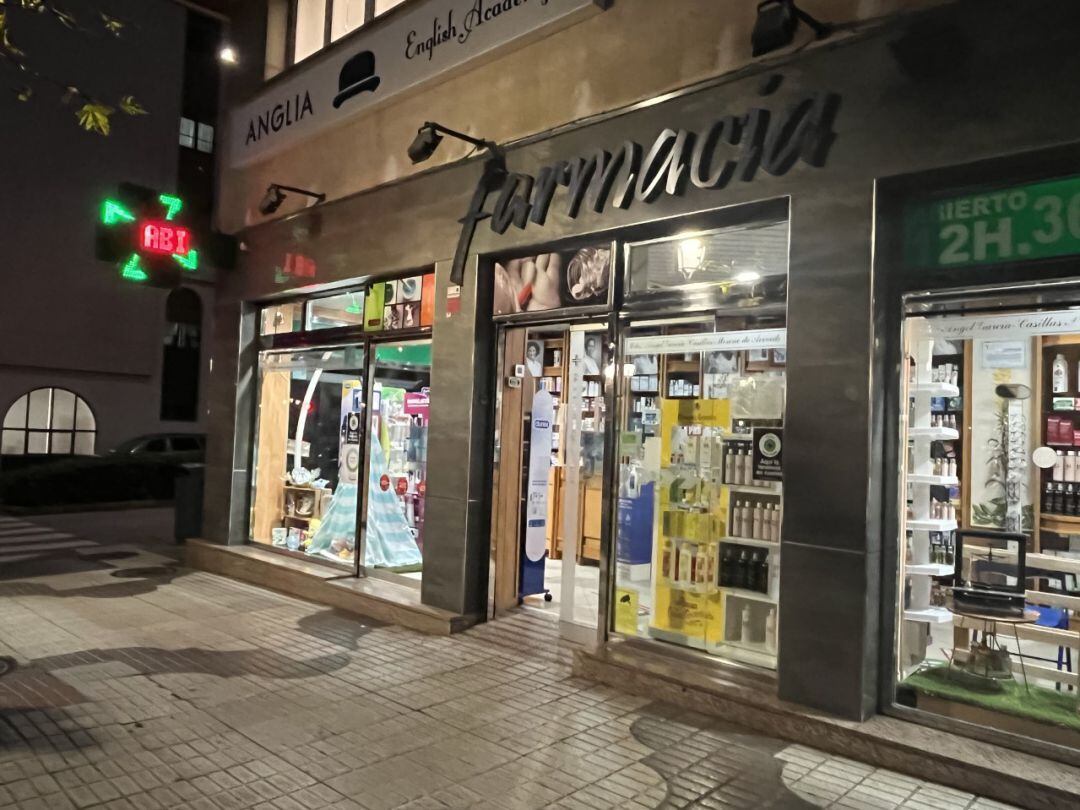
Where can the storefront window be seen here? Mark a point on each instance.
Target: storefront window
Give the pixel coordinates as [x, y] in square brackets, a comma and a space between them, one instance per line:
[308, 454]
[746, 262]
[990, 558]
[397, 465]
[700, 499]
[336, 311]
[280, 319]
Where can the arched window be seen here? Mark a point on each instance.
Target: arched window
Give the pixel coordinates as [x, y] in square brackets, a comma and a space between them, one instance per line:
[180, 366]
[49, 421]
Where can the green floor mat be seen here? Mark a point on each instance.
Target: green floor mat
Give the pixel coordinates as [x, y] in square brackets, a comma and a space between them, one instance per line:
[1044, 705]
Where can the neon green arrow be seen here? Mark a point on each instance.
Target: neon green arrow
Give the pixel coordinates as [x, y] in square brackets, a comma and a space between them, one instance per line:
[113, 212]
[174, 204]
[189, 262]
[132, 270]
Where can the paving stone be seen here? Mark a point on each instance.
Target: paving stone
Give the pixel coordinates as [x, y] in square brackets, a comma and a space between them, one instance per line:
[180, 689]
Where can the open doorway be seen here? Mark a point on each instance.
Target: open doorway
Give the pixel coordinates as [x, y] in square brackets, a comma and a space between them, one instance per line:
[549, 487]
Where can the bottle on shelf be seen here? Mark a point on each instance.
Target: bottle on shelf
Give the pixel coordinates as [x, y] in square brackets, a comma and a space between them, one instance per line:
[1070, 466]
[763, 573]
[1060, 375]
[739, 580]
[727, 563]
[1059, 466]
[746, 624]
[951, 470]
[770, 631]
[755, 528]
[1070, 500]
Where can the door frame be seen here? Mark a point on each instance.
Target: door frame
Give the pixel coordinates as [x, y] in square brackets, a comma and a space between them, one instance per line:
[509, 405]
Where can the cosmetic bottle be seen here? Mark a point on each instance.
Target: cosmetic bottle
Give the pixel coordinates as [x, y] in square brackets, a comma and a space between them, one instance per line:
[747, 519]
[1059, 466]
[729, 467]
[951, 469]
[748, 467]
[763, 573]
[736, 520]
[741, 568]
[727, 560]
[746, 624]
[1059, 498]
[1048, 498]
[1070, 500]
[1060, 375]
[1070, 466]
[755, 527]
[770, 631]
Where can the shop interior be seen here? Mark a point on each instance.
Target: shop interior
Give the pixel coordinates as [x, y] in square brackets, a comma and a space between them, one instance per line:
[989, 566]
[332, 416]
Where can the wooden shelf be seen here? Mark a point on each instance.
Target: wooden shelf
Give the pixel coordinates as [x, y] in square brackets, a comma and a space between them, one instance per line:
[1060, 340]
[1061, 524]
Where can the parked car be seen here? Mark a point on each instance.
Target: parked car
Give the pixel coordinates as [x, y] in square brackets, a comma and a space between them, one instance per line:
[181, 448]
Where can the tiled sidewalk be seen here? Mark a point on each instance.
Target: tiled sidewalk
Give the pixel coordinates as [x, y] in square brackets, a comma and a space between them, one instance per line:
[142, 685]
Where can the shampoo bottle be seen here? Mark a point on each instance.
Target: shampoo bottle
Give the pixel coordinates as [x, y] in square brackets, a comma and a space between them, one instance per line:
[1060, 375]
[746, 623]
[770, 631]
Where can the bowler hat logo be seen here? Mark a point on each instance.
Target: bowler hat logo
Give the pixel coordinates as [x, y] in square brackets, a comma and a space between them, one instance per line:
[357, 75]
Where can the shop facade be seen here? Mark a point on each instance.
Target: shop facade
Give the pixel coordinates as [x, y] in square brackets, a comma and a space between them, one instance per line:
[711, 366]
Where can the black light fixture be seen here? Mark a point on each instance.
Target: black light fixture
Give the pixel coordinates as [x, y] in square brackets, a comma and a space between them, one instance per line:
[777, 21]
[275, 196]
[430, 135]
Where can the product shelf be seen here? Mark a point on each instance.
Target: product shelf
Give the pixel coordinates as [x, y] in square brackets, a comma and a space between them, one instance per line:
[743, 593]
[934, 434]
[756, 489]
[930, 569]
[750, 541]
[746, 652]
[936, 389]
[1060, 524]
[931, 615]
[933, 480]
[932, 525]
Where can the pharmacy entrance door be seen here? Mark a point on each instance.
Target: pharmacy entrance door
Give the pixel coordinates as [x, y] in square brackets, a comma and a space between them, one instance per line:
[548, 511]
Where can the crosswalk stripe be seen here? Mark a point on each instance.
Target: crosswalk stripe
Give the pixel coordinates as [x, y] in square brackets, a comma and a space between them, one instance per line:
[27, 528]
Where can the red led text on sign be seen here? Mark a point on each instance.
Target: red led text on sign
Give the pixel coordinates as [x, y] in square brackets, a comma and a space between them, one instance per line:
[164, 237]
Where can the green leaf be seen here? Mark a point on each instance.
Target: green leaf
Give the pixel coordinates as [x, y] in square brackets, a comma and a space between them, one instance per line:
[94, 117]
[129, 105]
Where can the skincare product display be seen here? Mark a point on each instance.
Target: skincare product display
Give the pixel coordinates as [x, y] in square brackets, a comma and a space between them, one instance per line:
[744, 567]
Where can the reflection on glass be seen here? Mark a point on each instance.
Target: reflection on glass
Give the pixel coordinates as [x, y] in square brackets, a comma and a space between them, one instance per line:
[397, 476]
[308, 451]
[281, 319]
[747, 264]
[336, 311]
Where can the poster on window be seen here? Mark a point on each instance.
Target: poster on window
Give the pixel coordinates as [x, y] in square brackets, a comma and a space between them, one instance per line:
[549, 281]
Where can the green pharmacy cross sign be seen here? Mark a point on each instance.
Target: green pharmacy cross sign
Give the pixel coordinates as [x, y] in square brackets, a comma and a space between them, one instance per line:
[141, 231]
[1033, 221]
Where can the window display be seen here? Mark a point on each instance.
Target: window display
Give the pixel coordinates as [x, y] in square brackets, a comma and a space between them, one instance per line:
[700, 500]
[397, 462]
[308, 451]
[991, 551]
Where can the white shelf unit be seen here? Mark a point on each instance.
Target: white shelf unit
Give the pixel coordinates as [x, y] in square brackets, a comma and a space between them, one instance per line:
[920, 478]
[930, 615]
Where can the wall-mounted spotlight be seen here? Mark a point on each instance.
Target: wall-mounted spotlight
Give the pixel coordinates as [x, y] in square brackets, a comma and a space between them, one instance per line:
[275, 196]
[227, 55]
[777, 21]
[430, 135]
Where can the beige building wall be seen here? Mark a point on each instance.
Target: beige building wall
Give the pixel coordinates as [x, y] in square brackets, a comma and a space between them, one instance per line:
[634, 51]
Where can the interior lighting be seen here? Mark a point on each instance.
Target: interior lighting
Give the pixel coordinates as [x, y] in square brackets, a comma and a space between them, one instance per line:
[690, 257]
[227, 55]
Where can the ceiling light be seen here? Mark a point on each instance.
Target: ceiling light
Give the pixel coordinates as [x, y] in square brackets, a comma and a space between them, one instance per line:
[690, 257]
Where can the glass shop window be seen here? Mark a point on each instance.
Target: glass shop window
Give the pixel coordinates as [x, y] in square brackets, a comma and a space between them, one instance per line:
[989, 536]
[280, 319]
[315, 24]
[700, 500]
[308, 453]
[750, 263]
[309, 28]
[336, 311]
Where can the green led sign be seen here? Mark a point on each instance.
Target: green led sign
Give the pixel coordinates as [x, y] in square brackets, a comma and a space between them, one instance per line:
[140, 231]
[1032, 221]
